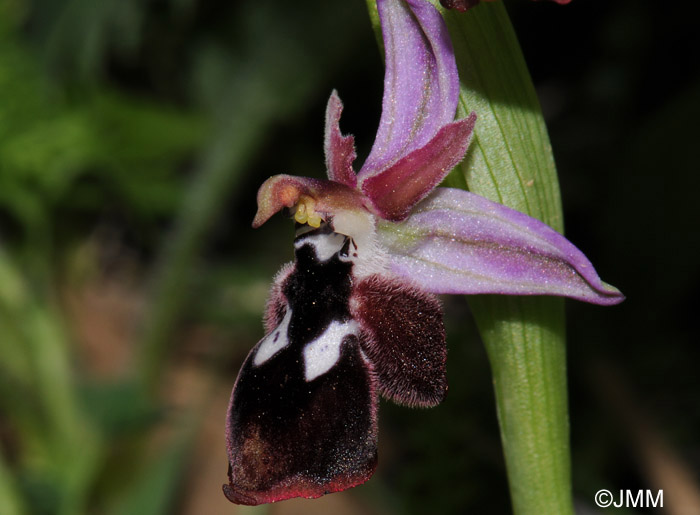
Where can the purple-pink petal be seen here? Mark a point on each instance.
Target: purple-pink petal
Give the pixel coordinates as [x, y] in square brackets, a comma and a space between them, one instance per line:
[394, 191]
[460, 243]
[421, 85]
[339, 149]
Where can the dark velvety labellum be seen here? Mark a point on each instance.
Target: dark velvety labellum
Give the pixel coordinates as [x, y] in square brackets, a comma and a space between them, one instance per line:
[302, 418]
[292, 438]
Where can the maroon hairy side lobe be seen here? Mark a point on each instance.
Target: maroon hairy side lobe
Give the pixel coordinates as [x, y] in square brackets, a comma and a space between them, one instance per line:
[404, 337]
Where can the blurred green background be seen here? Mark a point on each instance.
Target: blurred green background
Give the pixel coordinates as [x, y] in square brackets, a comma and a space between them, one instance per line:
[133, 138]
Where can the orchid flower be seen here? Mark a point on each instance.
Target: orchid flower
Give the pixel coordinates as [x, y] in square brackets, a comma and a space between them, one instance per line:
[356, 314]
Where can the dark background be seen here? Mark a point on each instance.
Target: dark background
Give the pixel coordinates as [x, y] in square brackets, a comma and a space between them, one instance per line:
[133, 137]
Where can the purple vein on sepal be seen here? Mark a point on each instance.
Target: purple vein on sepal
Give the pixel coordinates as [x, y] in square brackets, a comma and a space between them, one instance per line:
[421, 85]
[458, 242]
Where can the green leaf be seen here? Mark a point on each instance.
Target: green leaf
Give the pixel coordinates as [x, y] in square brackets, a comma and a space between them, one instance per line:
[510, 161]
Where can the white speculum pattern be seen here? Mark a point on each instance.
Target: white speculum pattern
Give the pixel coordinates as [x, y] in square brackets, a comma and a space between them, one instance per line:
[273, 342]
[323, 353]
[325, 245]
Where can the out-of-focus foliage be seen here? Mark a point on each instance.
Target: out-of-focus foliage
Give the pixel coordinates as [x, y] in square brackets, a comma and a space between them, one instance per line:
[126, 130]
[51, 140]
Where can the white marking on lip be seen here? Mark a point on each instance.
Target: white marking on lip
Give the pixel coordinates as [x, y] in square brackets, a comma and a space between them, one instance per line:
[325, 245]
[321, 354]
[273, 342]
